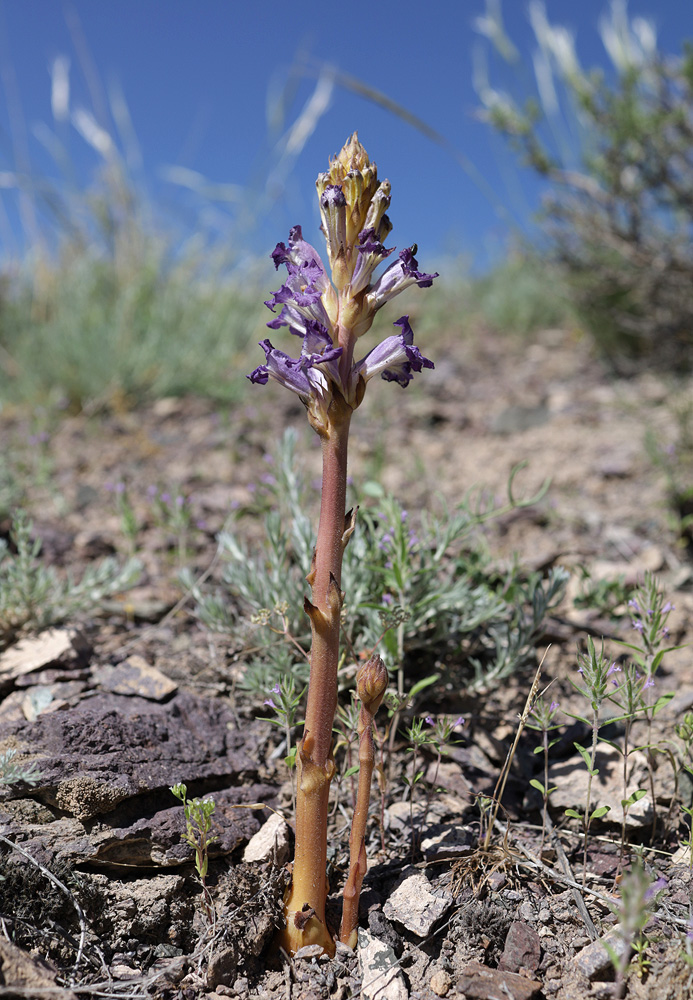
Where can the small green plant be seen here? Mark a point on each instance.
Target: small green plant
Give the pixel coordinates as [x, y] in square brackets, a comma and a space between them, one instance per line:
[417, 736]
[198, 826]
[541, 718]
[13, 772]
[34, 596]
[285, 699]
[173, 514]
[609, 597]
[639, 894]
[129, 522]
[441, 739]
[649, 612]
[595, 669]
[628, 694]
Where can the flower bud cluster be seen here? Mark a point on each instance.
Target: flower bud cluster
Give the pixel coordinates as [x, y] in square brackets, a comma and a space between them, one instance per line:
[371, 683]
[329, 314]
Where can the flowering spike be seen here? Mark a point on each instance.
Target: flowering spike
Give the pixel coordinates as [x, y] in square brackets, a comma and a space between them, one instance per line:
[329, 313]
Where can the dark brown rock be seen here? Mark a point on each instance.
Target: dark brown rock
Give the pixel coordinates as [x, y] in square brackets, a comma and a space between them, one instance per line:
[479, 982]
[27, 973]
[106, 766]
[522, 948]
[109, 748]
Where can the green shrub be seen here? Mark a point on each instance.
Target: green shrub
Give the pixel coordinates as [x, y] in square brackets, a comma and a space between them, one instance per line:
[619, 214]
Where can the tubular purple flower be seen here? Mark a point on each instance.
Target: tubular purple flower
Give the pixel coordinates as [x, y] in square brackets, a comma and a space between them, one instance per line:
[395, 359]
[298, 375]
[398, 276]
[370, 253]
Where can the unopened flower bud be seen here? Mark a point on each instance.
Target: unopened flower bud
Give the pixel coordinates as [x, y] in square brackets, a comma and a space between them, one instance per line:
[371, 682]
[333, 212]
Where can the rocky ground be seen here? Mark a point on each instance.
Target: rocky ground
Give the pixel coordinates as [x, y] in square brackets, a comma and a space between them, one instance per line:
[100, 897]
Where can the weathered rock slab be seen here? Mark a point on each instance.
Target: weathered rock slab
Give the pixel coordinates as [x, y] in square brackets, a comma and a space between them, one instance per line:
[415, 905]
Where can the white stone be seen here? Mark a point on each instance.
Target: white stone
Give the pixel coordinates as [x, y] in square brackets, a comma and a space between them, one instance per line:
[271, 842]
[381, 978]
[414, 905]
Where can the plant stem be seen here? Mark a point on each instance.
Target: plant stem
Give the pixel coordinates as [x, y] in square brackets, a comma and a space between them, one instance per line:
[371, 686]
[545, 796]
[593, 758]
[305, 902]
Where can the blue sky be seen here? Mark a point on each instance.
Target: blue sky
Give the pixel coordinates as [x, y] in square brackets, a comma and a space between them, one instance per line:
[213, 87]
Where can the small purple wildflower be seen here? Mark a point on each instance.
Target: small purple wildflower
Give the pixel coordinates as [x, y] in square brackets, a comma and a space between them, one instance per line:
[638, 626]
[632, 603]
[649, 683]
[269, 703]
[276, 689]
[553, 707]
[655, 887]
[668, 607]
[429, 720]
[387, 599]
[613, 669]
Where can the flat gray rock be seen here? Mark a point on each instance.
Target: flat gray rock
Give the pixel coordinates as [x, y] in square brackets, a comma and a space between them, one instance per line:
[415, 905]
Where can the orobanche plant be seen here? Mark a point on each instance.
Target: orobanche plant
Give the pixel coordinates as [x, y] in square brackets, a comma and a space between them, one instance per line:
[329, 317]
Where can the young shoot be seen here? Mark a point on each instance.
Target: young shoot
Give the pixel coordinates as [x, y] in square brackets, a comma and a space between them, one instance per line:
[541, 718]
[198, 826]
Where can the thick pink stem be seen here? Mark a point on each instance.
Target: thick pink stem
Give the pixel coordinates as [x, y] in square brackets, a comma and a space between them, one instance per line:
[305, 904]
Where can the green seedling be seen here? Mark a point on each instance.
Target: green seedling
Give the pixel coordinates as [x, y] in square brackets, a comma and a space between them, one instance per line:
[541, 718]
[198, 835]
[285, 699]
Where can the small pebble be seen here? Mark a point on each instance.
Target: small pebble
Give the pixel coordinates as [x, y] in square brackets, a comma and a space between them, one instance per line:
[440, 982]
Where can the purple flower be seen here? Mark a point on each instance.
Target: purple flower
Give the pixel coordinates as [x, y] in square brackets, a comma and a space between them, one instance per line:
[429, 720]
[649, 683]
[398, 276]
[395, 359]
[632, 603]
[333, 207]
[301, 376]
[613, 669]
[370, 253]
[459, 721]
[276, 689]
[668, 607]
[553, 707]
[655, 887]
[638, 626]
[269, 703]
